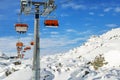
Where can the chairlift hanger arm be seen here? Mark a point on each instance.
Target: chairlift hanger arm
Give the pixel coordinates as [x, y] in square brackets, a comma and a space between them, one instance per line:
[26, 6]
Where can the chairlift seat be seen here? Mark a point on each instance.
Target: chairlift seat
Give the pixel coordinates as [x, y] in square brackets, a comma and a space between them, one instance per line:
[27, 48]
[21, 28]
[51, 23]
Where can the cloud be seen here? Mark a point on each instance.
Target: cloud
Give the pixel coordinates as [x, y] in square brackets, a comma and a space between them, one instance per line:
[93, 7]
[87, 32]
[73, 6]
[54, 33]
[117, 9]
[113, 9]
[59, 45]
[79, 32]
[71, 30]
[8, 44]
[64, 15]
[64, 42]
[101, 15]
[45, 43]
[30, 34]
[91, 13]
[59, 42]
[107, 9]
[111, 25]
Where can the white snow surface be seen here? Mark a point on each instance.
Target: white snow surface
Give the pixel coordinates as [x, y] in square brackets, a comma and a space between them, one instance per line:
[72, 65]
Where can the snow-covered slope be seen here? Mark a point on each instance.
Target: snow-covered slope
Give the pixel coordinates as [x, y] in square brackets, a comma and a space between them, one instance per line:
[76, 64]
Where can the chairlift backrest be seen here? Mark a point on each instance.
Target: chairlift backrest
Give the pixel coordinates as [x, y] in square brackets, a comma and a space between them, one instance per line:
[32, 43]
[19, 44]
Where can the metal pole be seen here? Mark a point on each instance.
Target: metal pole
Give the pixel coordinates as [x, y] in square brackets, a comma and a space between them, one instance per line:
[48, 8]
[36, 54]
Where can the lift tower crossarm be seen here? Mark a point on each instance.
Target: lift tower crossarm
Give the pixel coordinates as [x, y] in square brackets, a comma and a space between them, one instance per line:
[48, 6]
[38, 3]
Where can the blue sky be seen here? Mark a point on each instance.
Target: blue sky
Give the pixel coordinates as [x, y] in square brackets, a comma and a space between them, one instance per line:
[78, 20]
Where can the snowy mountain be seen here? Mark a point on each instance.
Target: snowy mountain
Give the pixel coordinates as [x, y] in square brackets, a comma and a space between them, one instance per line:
[97, 59]
[3, 55]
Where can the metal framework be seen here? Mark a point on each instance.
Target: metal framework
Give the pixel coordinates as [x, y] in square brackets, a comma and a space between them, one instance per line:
[26, 6]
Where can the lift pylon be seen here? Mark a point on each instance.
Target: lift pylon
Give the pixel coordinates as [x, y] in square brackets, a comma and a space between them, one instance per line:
[26, 7]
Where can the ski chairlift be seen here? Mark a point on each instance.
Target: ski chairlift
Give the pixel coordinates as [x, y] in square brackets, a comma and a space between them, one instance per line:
[51, 23]
[19, 44]
[27, 48]
[21, 27]
[24, 51]
[32, 43]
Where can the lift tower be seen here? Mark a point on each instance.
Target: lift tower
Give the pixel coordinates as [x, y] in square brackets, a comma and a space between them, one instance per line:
[26, 8]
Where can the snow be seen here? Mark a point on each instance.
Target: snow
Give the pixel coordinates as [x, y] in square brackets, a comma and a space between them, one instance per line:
[24, 74]
[112, 58]
[63, 76]
[72, 65]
